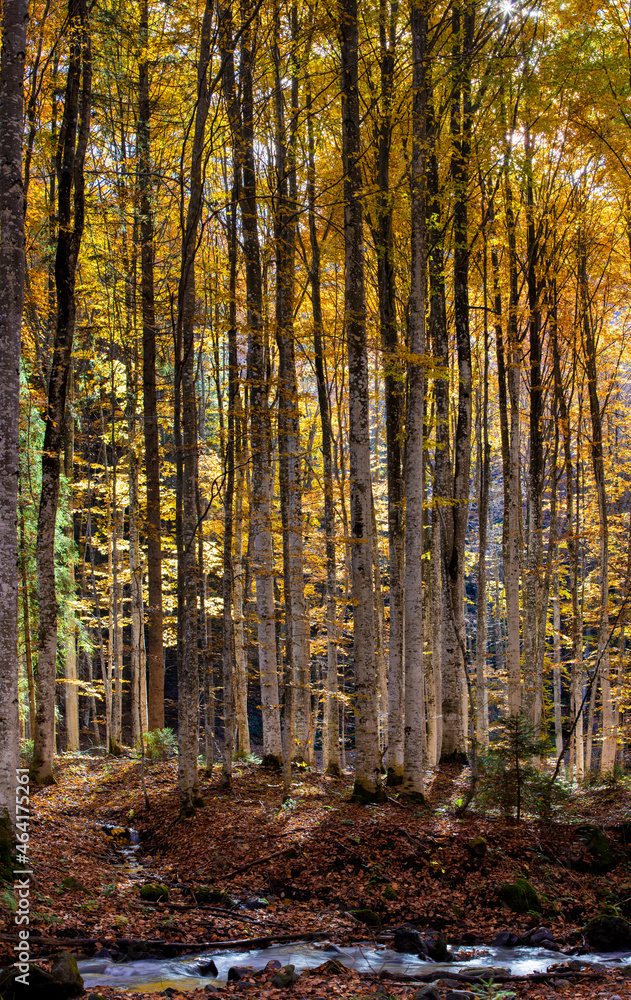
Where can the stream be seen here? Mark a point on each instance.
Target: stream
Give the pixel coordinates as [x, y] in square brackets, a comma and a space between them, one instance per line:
[156, 974]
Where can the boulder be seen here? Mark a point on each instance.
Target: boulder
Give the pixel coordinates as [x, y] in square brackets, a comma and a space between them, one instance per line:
[435, 946]
[428, 992]
[409, 941]
[207, 968]
[72, 883]
[477, 847]
[65, 973]
[606, 933]
[365, 916]
[505, 939]
[238, 972]
[63, 982]
[255, 903]
[520, 896]
[540, 936]
[153, 892]
[272, 966]
[285, 977]
[597, 855]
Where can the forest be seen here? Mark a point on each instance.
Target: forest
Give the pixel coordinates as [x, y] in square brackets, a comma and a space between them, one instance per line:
[314, 451]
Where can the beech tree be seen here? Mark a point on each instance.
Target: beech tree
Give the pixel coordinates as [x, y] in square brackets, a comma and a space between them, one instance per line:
[70, 159]
[14, 22]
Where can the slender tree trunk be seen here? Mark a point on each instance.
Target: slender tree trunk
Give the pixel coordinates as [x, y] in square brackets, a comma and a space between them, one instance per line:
[188, 659]
[610, 734]
[12, 266]
[413, 757]
[453, 745]
[228, 564]
[153, 611]
[531, 697]
[241, 117]
[71, 692]
[394, 380]
[367, 756]
[484, 470]
[138, 660]
[241, 676]
[441, 526]
[28, 649]
[70, 159]
[512, 515]
[331, 723]
[289, 459]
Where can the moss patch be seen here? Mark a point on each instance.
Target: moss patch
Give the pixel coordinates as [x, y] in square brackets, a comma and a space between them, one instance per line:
[520, 896]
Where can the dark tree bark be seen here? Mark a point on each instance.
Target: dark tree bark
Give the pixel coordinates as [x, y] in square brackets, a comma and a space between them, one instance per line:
[453, 743]
[73, 139]
[14, 21]
[153, 610]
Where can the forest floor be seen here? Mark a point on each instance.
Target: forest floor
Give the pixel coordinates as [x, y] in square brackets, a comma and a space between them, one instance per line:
[312, 859]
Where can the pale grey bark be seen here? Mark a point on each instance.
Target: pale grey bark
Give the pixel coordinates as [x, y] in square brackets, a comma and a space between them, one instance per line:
[14, 21]
[240, 671]
[241, 118]
[367, 756]
[413, 757]
[71, 692]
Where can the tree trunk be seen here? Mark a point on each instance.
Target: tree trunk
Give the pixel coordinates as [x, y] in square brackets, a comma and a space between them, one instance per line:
[71, 692]
[531, 696]
[153, 611]
[228, 564]
[240, 660]
[512, 516]
[289, 458]
[610, 733]
[484, 470]
[12, 265]
[70, 159]
[331, 714]
[453, 745]
[188, 658]
[367, 756]
[413, 757]
[241, 117]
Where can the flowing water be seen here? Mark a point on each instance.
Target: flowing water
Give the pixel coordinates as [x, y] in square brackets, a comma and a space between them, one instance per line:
[183, 973]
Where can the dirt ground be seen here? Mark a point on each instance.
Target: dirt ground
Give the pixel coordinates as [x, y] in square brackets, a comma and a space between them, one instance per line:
[312, 859]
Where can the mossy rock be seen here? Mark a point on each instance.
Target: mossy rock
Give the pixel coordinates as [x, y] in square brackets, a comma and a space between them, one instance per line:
[520, 896]
[389, 893]
[608, 933]
[72, 883]
[153, 892]
[368, 917]
[285, 977]
[596, 843]
[205, 894]
[477, 847]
